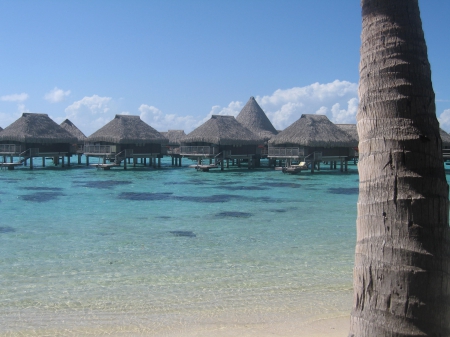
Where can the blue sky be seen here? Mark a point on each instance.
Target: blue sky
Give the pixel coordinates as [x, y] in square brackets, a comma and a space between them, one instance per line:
[176, 62]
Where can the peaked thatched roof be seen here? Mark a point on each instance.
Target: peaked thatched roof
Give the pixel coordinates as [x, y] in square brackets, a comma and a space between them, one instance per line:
[1, 128]
[350, 129]
[223, 130]
[73, 130]
[314, 131]
[36, 128]
[445, 137]
[254, 119]
[174, 136]
[127, 129]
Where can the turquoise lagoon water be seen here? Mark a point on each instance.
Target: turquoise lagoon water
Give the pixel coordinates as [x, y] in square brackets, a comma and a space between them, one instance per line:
[151, 251]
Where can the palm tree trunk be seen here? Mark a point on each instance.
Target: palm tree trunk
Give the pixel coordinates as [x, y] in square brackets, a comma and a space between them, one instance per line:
[402, 258]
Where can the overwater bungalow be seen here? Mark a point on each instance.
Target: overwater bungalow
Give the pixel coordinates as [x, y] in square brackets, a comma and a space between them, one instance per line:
[312, 139]
[173, 147]
[35, 135]
[352, 131]
[123, 139]
[74, 131]
[445, 137]
[219, 140]
[254, 119]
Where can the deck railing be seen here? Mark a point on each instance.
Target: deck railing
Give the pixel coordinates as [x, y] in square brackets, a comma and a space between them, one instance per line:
[198, 150]
[103, 149]
[286, 152]
[11, 148]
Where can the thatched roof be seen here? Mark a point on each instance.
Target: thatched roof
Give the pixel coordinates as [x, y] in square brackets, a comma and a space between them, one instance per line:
[174, 136]
[314, 131]
[73, 130]
[36, 128]
[350, 129]
[445, 137]
[1, 128]
[127, 129]
[223, 130]
[254, 119]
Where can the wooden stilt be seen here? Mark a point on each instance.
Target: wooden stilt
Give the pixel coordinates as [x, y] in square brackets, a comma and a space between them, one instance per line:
[43, 161]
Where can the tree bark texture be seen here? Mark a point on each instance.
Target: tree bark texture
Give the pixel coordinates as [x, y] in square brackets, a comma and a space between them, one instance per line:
[401, 275]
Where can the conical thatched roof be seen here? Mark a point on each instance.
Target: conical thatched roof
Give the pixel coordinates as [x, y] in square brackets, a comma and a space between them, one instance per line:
[350, 129]
[127, 129]
[445, 137]
[223, 130]
[314, 131]
[174, 136]
[36, 128]
[73, 130]
[254, 119]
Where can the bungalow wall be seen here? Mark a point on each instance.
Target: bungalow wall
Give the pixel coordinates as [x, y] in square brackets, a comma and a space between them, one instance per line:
[329, 151]
[140, 148]
[326, 151]
[236, 150]
[44, 147]
[239, 150]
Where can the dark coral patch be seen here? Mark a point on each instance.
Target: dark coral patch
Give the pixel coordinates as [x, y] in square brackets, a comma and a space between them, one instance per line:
[278, 210]
[144, 196]
[344, 190]
[7, 229]
[42, 188]
[42, 196]
[210, 198]
[289, 185]
[105, 184]
[243, 188]
[188, 234]
[233, 215]
[9, 180]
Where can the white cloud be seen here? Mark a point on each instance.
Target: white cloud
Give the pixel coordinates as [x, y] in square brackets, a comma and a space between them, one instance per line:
[322, 110]
[232, 109]
[342, 116]
[90, 113]
[15, 97]
[163, 122]
[56, 95]
[285, 106]
[444, 120]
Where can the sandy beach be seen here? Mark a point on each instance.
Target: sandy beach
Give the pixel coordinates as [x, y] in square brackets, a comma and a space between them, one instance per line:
[328, 327]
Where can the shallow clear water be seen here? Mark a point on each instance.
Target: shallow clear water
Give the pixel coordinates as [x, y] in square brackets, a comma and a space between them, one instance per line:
[146, 251]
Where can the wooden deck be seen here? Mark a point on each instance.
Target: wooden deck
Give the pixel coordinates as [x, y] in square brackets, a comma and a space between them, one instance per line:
[204, 168]
[105, 166]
